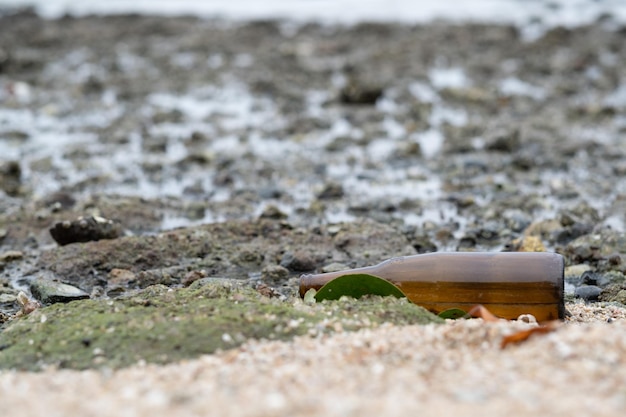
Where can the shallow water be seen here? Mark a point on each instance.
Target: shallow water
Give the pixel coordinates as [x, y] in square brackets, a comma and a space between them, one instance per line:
[103, 142]
[554, 12]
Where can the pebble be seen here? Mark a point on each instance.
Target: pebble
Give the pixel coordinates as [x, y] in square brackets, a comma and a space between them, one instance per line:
[11, 255]
[595, 278]
[85, 229]
[588, 292]
[274, 273]
[50, 292]
[331, 190]
[273, 212]
[299, 261]
[10, 177]
[7, 298]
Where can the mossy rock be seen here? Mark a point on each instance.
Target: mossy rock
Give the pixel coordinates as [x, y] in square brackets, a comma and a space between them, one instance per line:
[162, 325]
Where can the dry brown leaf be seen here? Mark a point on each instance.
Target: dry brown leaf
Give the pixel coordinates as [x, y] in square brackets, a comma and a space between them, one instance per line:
[523, 335]
[481, 311]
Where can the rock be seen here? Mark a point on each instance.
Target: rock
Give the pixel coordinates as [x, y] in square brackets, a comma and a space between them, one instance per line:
[581, 213]
[60, 201]
[193, 276]
[573, 274]
[614, 293]
[50, 292]
[273, 212]
[11, 255]
[118, 280]
[572, 232]
[516, 220]
[270, 192]
[10, 178]
[299, 261]
[7, 298]
[543, 228]
[358, 92]
[525, 244]
[160, 276]
[588, 292]
[274, 273]
[507, 140]
[171, 116]
[218, 287]
[620, 297]
[85, 229]
[4, 317]
[594, 246]
[331, 190]
[423, 244]
[595, 278]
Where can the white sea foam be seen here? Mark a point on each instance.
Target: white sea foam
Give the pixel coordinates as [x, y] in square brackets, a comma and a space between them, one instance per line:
[551, 13]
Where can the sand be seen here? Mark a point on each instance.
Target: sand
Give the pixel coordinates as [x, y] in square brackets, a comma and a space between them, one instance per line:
[453, 369]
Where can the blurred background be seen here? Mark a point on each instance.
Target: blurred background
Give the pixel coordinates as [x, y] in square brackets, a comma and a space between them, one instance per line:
[565, 12]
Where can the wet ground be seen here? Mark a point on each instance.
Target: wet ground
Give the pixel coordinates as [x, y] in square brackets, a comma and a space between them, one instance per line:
[283, 148]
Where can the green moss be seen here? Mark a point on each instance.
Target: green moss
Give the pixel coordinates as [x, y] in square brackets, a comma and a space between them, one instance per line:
[161, 325]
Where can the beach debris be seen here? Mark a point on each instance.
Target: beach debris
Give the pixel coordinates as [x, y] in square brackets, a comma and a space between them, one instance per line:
[523, 335]
[443, 280]
[480, 311]
[519, 336]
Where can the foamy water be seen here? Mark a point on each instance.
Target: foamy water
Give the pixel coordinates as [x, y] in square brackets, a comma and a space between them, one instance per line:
[553, 12]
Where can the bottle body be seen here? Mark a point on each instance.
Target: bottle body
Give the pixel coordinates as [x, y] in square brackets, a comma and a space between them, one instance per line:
[507, 283]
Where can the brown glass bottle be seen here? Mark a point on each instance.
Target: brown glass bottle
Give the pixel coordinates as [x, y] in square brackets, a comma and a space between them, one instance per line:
[507, 283]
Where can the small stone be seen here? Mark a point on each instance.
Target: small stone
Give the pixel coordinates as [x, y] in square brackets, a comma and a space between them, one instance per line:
[620, 297]
[595, 278]
[273, 212]
[504, 141]
[4, 317]
[7, 298]
[331, 190]
[50, 292]
[358, 92]
[298, 261]
[333, 230]
[274, 273]
[10, 178]
[193, 276]
[576, 271]
[85, 229]
[614, 259]
[119, 276]
[588, 292]
[12, 255]
[423, 244]
[516, 220]
[526, 244]
[270, 192]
